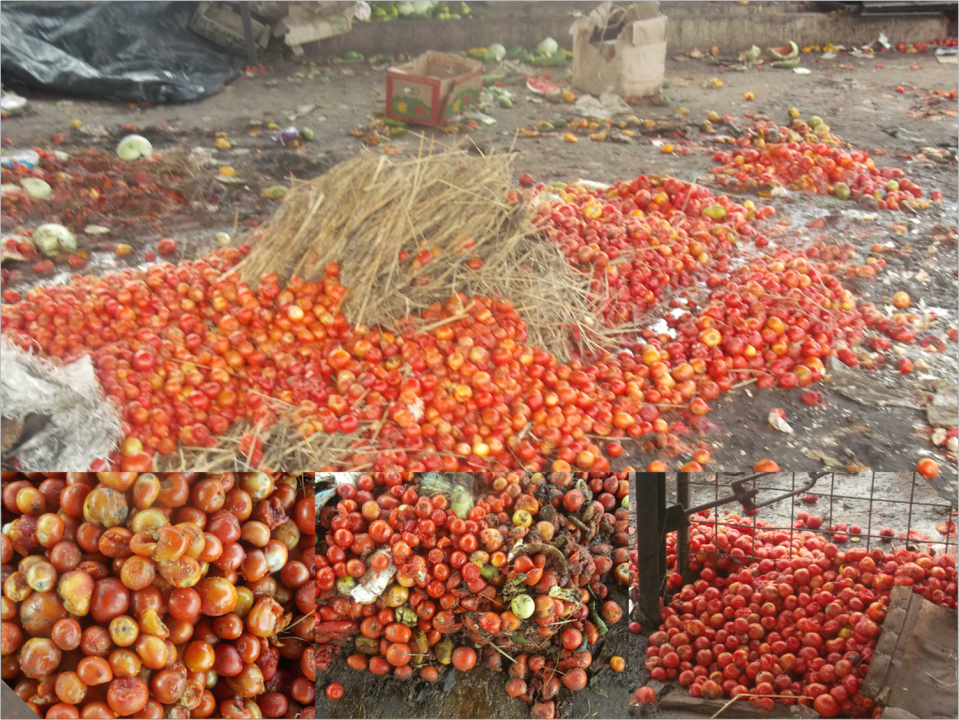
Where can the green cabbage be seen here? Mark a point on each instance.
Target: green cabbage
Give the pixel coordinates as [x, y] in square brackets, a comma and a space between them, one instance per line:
[547, 47]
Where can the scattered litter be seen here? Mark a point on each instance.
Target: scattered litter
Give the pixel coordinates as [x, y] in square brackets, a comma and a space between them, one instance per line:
[493, 96]
[777, 420]
[27, 157]
[134, 147]
[12, 105]
[81, 427]
[606, 106]
[286, 135]
[274, 192]
[823, 457]
[802, 71]
[479, 117]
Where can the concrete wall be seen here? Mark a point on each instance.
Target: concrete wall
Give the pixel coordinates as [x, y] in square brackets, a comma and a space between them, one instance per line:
[691, 25]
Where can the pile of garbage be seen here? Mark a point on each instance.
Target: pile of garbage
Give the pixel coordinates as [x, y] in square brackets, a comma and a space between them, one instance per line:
[420, 572]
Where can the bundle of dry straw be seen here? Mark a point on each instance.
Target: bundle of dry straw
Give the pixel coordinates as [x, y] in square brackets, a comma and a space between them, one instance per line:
[367, 211]
[283, 449]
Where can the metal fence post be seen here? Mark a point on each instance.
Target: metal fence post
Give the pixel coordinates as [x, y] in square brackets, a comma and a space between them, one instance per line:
[650, 540]
[682, 534]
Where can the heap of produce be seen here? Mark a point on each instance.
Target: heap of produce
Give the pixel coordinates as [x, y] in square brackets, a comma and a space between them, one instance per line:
[800, 621]
[418, 572]
[190, 352]
[806, 156]
[181, 595]
[87, 186]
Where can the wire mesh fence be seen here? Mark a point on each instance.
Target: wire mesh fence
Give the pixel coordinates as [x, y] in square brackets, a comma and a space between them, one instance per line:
[850, 510]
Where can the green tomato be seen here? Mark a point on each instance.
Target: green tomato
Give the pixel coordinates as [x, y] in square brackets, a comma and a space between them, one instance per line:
[523, 606]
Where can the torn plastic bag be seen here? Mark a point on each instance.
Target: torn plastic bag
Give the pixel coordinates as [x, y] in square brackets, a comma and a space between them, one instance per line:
[81, 424]
[128, 51]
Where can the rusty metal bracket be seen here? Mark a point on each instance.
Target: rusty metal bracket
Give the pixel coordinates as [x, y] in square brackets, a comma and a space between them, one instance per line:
[746, 496]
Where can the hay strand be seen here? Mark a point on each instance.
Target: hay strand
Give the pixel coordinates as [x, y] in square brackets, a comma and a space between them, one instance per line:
[380, 218]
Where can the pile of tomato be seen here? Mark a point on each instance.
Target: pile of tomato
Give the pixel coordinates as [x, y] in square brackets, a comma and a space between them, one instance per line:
[187, 350]
[88, 186]
[807, 157]
[178, 596]
[519, 574]
[640, 241]
[799, 620]
[735, 315]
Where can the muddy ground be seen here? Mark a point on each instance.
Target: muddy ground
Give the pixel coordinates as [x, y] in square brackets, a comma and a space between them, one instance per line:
[900, 501]
[857, 98]
[479, 693]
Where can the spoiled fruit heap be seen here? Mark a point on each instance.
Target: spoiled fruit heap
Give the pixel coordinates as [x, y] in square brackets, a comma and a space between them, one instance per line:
[92, 184]
[187, 350]
[801, 620]
[179, 596]
[419, 572]
[776, 318]
[641, 241]
[807, 157]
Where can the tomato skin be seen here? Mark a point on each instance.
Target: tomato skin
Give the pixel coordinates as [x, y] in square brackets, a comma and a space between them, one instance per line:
[645, 696]
[334, 691]
[464, 658]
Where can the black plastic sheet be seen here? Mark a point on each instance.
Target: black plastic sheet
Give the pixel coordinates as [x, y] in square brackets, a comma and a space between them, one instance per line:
[127, 51]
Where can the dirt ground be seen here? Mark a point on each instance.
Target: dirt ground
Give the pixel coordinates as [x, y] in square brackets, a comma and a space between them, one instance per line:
[479, 693]
[857, 99]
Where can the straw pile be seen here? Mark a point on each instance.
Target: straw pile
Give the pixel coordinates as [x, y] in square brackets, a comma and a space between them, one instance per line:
[367, 211]
[283, 449]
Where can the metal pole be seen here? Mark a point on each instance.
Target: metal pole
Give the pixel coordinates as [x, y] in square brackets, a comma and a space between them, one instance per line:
[682, 535]
[248, 34]
[650, 542]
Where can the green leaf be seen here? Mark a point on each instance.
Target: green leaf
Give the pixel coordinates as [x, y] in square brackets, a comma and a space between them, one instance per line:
[520, 640]
[596, 687]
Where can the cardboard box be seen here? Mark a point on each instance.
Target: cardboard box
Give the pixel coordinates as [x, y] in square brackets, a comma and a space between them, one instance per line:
[221, 24]
[310, 22]
[620, 49]
[432, 88]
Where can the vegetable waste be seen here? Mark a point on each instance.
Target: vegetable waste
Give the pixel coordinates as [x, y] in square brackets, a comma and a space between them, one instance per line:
[800, 621]
[140, 595]
[517, 581]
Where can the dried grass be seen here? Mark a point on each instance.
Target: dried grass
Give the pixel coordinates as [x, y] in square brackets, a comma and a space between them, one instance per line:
[367, 210]
[283, 449]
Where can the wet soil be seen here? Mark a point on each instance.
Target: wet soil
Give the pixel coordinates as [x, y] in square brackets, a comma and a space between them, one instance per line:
[480, 692]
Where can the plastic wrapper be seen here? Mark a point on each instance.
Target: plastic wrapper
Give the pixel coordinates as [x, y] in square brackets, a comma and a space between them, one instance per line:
[128, 51]
[82, 425]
